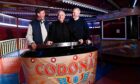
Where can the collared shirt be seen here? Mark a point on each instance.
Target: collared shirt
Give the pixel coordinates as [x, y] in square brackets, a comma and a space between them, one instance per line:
[29, 35]
[44, 31]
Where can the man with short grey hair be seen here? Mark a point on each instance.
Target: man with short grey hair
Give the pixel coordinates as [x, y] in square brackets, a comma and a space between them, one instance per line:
[79, 27]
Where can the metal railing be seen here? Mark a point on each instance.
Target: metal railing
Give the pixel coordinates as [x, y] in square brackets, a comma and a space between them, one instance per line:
[22, 43]
[11, 45]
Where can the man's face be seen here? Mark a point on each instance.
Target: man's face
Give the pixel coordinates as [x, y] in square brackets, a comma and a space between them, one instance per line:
[61, 16]
[75, 13]
[41, 14]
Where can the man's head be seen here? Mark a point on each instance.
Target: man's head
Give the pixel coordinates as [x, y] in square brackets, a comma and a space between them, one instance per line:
[40, 13]
[61, 15]
[76, 13]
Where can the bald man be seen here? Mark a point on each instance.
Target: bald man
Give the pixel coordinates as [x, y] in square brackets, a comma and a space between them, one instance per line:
[79, 27]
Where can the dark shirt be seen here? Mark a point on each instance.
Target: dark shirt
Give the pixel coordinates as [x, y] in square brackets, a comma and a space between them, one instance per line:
[59, 32]
[79, 29]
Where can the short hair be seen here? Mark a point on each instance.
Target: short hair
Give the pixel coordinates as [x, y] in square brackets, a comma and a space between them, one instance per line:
[60, 11]
[77, 9]
[38, 10]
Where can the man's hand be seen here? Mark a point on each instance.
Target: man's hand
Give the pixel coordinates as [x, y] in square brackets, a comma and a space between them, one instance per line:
[34, 46]
[49, 43]
[81, 41]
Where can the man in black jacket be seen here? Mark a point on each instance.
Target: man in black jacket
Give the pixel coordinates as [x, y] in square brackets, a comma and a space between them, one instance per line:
[59, 30]
[79, 27]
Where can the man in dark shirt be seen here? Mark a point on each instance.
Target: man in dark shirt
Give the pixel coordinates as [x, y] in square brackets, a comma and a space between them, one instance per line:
[59, 30]
[79, 27]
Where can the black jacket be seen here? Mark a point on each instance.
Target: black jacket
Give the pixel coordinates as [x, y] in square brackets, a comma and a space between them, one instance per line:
[79, 29]
[59, 32]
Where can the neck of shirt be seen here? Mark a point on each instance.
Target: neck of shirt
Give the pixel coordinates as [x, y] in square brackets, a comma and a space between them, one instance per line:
[75, 19]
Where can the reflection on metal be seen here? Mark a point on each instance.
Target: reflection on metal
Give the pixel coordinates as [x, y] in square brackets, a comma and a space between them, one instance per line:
[8, 16]
[65, 44]
[134, 3]
[126, 48]
[12, 25]
[75, 3]
[114, 4]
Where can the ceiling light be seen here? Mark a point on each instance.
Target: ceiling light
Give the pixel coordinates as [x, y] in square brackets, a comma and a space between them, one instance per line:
[71, 2]
[134, 3]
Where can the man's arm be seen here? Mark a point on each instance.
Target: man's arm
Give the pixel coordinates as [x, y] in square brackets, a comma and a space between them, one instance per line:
[29, 35]
[86, 36]
[86, 31]
[50, 34]
[29, 38]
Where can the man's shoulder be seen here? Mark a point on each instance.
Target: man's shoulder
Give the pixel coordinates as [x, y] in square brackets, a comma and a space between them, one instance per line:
[33, 21]
[71, 19]
[81, 19]
[55, 22]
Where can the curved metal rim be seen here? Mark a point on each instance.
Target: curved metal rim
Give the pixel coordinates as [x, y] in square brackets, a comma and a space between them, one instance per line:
[65, 44]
